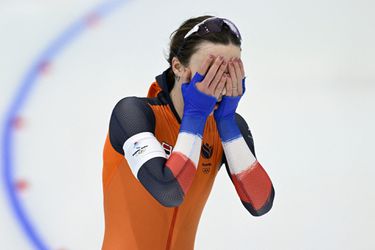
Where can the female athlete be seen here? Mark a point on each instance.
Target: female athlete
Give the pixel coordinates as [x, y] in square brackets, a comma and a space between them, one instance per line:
[163, 151]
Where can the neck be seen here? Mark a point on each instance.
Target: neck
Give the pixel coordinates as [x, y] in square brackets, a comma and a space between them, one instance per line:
[177, 100]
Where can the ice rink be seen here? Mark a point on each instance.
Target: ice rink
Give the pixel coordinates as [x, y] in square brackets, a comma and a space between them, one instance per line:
[310, 104]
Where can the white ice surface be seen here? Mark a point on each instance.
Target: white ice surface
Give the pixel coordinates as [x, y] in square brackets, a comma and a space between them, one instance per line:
[309, 103]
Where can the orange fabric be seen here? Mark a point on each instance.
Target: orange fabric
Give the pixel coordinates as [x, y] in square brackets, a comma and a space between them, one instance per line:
[134, 220]
[153, 90]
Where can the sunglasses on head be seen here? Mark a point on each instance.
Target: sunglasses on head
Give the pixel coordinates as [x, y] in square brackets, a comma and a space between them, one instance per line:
[213, 24]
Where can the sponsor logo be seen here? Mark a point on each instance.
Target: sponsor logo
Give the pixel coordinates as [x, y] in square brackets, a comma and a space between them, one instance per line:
[206, 151]
[140, 150]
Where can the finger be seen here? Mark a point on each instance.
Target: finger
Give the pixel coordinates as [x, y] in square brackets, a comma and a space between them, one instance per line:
[238, 75]
[206, 65]
[229, 85]
[242, 69]
[243, 77]
[218, 76]
[186, 76]
[220, 86]
[224, 92]
[232, 73]
[212, 71]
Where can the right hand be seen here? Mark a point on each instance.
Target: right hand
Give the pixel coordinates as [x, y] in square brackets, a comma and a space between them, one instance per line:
[202, 92]
[214, 81]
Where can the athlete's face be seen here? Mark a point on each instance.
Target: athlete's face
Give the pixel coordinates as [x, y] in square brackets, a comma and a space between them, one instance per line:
[207, 48]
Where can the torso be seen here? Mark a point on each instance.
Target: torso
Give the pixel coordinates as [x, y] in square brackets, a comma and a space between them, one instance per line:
[133, 218]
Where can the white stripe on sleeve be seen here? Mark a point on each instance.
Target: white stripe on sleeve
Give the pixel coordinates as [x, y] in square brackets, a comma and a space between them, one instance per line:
[238, 154]
[189, 145]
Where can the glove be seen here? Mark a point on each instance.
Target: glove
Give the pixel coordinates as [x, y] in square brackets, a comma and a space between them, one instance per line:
[225, 116]
[197, 106]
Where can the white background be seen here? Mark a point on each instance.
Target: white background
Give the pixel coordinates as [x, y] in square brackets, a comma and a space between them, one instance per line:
[309, 103]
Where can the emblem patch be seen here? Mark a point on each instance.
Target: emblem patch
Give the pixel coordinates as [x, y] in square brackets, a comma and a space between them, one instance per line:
[206, 151]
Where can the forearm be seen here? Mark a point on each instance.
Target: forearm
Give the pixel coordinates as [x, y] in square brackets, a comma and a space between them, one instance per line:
[167, 181]
[184, 159]
[251, 181]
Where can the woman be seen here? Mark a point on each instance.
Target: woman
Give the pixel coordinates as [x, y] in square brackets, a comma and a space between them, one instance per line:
[163, 152]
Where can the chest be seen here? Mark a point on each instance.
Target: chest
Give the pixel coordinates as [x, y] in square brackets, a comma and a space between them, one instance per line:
[211, 152]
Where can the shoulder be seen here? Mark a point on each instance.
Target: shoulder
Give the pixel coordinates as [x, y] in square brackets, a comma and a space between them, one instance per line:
[130, 116]
[136, 107]
[129, 102]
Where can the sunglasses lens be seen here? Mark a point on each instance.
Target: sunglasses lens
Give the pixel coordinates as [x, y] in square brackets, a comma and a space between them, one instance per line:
[232, 27]
[215, 25]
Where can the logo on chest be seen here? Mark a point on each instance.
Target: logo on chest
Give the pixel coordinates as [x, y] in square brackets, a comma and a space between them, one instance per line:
[206, 151]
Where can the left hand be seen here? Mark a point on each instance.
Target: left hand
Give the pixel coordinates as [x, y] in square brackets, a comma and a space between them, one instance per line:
[235, 85]
[235, 88]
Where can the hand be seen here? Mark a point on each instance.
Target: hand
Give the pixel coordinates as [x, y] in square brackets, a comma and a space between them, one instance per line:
[213, 82]
[201, 93]
[235, 88]
[225, 113]
[236, 83]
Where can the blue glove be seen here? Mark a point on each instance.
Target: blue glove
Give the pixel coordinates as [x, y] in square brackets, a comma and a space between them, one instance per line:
[197, 106]
[225, 116]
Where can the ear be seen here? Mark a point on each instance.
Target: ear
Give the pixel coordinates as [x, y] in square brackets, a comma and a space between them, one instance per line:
[177, 67]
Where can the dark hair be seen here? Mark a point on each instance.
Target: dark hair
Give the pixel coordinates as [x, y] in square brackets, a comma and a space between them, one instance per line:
[183, 49]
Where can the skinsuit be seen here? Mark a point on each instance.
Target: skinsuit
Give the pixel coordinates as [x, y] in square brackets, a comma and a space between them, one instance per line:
[155, 189]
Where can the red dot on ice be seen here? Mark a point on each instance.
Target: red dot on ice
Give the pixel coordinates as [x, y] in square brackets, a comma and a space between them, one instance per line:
[92, 19]
[45, 67]
[22, 185]
[18, 122]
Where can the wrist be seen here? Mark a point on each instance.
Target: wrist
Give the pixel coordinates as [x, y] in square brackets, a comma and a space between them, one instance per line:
[228, 128]
[193, 124]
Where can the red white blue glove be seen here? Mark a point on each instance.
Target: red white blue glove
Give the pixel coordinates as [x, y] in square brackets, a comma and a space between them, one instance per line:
[225, 116]
[201, 93]
[197, 106]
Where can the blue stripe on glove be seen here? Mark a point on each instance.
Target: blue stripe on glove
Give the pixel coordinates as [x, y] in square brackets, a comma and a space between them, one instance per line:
[197, 106]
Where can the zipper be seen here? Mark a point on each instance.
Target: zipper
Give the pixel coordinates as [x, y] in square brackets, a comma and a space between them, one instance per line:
[171, 228]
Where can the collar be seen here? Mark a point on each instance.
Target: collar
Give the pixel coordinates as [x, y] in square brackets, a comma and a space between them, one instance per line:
[163, 88]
